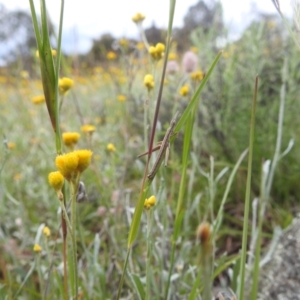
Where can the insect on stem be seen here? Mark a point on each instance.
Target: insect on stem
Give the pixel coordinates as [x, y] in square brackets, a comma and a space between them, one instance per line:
[164, 148]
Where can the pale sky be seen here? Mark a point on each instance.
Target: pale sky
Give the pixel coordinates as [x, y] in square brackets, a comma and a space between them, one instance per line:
[84, 20]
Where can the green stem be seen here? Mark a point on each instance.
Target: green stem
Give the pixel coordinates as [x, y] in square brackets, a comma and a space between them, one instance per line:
[179, 210]
[123, 273]
[148, 258]
[247, 200]
[74, 187]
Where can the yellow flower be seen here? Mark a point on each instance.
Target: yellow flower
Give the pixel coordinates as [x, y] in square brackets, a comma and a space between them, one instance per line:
[56, 180]
[121, 98]
[184, 91]
[24, 74]
[70, 138]
[172, 56]
[197, 76]
[38, 99]
[84, 159]
[111, 147]
[37, 248]
[194, 49]
[111, 55]
[157, 52]
[64, 84]
[88, 128]
[67, 165]
[150, 202]
[140, 46]
[17, 176]
[46, 231]
[138, 18]
[149, 82]
[11, 145]
[123, 42]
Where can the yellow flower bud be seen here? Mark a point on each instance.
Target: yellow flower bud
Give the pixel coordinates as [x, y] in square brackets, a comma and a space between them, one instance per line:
[38, 99]
[149, 82]
[84, 159]
[56, 180]
[70, 138]
[111, 147]
[46, 231]
[67, 164]
[37, 248]
[64, 84]
[184, 91]
[150, 202]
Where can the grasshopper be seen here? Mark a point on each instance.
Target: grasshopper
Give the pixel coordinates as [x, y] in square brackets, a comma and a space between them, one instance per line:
[163, 147]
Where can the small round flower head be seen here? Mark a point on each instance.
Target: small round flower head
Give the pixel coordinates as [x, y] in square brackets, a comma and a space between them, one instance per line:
[38, 99]
[88, 128]
[184, 91]
[67, 164]
[197, 76]
[204, 232]
[37, 248]
[46, 231]
[149, 82]
[70, 138]
[123, 43]
[138, 18]
[111, 147]
[84, 159]
[24, 74]
[150, 202]
[157, 52]
[172, 56]
[140, 46]
[111, 55]
[11, 145]
[64, 84]
[121, 98]
[189, 62]
[56, 180]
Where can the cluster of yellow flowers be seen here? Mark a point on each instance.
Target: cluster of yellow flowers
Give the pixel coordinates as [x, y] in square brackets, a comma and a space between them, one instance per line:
[138, 18]
[157, 52]
[150, 202]
[149, 82]
[70, 166]
[197, 76]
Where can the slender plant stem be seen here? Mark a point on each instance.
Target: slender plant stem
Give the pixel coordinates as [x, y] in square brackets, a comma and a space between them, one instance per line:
[179, 209]
[74, 187]
[148, 258]
[123, 273]
[247, 197]
[267, 181]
